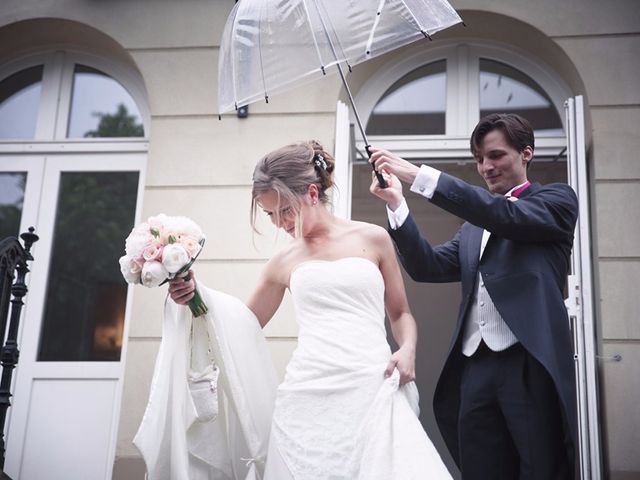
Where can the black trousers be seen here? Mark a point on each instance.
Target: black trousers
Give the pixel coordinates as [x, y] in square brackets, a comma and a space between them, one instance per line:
[510, 421]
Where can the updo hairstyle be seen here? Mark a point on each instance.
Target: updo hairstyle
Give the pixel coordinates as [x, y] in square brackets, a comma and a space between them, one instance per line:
[289, 171]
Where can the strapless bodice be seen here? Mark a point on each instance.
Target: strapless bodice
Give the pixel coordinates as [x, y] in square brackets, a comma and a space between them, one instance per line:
[339, 306]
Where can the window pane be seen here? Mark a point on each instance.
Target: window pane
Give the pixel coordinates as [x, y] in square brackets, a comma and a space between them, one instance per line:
[414, 105]
[101, 107]
[12, 185]
[504, 89]
[19, 101]
[86, 295]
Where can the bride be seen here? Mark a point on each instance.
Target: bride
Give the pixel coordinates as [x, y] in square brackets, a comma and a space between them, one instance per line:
[348, 407]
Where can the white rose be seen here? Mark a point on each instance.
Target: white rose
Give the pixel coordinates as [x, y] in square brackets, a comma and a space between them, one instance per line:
[153, 274]
[174, 257]
[136, 243]
[129, 269]
[185, 226]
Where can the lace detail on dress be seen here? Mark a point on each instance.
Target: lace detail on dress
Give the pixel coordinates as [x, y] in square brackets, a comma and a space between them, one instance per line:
[336, 417]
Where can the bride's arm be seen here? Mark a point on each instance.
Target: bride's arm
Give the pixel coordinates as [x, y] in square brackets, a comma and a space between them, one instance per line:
[403, 325]
[267, 296]
[264, 300]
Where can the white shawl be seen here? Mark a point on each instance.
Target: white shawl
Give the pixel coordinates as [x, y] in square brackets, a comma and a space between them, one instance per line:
[234, 446]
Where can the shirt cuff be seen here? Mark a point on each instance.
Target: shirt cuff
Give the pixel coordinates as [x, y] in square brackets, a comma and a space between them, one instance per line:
[426, 181]
[397, 218]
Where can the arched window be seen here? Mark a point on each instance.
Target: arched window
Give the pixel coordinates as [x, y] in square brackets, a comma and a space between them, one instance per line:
[413, 105]
[72, 157]
[425, 103]
[504, 89]
[19, 101]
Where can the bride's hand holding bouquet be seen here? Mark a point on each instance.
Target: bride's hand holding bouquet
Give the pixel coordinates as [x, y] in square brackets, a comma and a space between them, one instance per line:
[163, 249]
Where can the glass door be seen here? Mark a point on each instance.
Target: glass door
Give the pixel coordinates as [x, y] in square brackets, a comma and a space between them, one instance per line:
[20, 182]
[73, 348]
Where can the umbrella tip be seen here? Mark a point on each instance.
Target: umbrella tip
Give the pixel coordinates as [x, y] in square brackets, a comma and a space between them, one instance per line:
[219, 117]
[426, 34]
[323, 70]
[266, 98]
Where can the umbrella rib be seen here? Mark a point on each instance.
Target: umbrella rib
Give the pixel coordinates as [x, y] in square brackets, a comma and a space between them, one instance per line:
[337, 37]
[315, 42]
[264, 81]
[233, 57]
[373, 28]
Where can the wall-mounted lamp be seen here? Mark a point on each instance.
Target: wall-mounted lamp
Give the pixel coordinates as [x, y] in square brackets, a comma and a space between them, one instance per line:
[243, 112]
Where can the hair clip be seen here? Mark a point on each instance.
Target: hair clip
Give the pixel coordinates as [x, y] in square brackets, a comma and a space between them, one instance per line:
[318, 161]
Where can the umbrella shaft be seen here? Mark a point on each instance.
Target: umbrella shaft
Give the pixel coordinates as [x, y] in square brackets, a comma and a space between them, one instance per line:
[344, 80]
[381, 180]
[353, 104]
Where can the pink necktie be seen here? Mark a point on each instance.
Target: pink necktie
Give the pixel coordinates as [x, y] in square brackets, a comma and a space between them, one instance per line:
[516, 193]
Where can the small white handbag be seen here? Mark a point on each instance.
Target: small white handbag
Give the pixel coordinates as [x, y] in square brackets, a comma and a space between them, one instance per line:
[203, 381]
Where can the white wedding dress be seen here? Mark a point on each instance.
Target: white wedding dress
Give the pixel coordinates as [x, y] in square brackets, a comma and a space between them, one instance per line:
[336, 416]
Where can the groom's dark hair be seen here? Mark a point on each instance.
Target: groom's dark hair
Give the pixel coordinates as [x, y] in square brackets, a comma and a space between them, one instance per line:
[516, 129]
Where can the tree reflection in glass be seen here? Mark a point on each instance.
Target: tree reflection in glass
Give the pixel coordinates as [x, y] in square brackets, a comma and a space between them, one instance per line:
[86, 295]
[101, 107]
[503, 89]
[12, 185]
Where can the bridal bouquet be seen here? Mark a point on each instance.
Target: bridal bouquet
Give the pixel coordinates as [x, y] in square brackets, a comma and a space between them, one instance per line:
[161, 249]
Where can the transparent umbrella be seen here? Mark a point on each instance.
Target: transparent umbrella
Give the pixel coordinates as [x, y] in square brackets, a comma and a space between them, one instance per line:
[270, 46]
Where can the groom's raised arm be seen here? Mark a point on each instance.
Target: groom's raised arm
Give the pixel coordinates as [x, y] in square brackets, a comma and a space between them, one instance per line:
[421, 261]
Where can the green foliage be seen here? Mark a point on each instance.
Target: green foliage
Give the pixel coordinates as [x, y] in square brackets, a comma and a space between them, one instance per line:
[119, 124]
[11, 214]
[94, 216]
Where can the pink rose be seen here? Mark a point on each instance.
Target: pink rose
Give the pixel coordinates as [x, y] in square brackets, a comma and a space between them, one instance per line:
[152, 252]
[191, 245]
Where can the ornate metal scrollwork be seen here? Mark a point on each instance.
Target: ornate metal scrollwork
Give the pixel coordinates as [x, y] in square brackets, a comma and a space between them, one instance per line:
[13, 266]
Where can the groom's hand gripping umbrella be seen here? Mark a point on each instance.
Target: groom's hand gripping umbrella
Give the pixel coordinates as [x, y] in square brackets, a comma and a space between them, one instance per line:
[270, 46]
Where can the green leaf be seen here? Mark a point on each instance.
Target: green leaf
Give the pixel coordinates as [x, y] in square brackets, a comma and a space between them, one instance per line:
[172, 239]
[155, 232]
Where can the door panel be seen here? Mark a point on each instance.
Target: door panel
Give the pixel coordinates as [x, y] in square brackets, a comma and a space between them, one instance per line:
[77, 415]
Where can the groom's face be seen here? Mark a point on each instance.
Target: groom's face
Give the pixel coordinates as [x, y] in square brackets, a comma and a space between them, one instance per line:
[501, 165]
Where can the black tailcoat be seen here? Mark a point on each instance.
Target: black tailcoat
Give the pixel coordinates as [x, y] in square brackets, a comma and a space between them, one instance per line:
[524, 266]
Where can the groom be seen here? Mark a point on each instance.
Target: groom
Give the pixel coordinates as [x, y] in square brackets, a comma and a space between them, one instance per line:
[505, 398]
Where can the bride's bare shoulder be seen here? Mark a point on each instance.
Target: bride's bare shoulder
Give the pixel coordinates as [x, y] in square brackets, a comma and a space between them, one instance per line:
[280, 264]
[368, 231]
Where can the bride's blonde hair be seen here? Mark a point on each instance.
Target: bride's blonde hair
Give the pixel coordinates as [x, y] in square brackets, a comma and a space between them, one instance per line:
[288, 171]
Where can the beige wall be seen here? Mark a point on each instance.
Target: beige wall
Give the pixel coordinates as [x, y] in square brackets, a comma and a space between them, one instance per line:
[200, 167]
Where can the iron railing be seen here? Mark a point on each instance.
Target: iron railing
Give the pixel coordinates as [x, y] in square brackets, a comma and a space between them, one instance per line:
[13, 266]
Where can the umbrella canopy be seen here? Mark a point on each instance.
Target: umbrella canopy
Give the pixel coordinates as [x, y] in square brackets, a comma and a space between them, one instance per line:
[269, 46]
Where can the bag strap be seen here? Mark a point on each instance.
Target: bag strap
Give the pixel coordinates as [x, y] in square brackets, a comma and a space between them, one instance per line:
[191, 338]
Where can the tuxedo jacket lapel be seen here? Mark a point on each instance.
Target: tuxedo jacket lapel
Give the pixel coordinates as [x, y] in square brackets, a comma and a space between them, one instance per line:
[473, 248]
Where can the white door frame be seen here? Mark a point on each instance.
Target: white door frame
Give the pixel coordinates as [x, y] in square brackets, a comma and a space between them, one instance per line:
[29, 369]
[580, 301]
